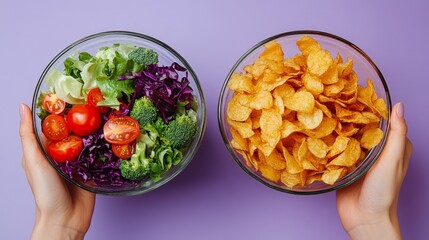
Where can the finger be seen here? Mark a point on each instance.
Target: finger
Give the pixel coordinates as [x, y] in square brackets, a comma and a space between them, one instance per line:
[392, 156]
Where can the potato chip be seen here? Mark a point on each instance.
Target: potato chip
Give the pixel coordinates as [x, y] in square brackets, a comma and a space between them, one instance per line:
[270, 173]
[273, 51]
[301, 101]
[270, 121]
[238, 142]
[325, 128]
[313, 84]
[241, 83]
[276, 160]
[331, 176]
[344, 69]
[261, 100]
[308, 45]
[331, 74]
[291, 67]
[288, 128]
[334, 89]
[380, 107]
[310, 120]
[290, 179]
[350, 155]
[340, 144]
[292, 165]
[318, 62]
[236, 111]
[371, 137]
[317, 147]
[243, 128]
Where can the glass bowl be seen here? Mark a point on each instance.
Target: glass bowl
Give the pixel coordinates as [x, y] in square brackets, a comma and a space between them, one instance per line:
[166, 56]
[363, 66]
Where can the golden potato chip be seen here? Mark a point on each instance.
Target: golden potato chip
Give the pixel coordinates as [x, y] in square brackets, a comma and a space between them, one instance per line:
[260, 100]
[346, 129]
[291, 67]
[371, 138]
[238, 142]
[313, 178]
[243, 128]
[331, 176]
[270, 121]
[350, 155]
[344, 69]
[324, 109]
[273, 51]
[331, 74]
[301, 101]
[292, 165]
[313, 84]
[241, 83]
[340, 144]
[317, 147]
[270, 173]
[318, 62]
[308, 45]
[325, 128]
[284, 91]
[269, 86]
[310, 120]
[276, 160]
[334, 89]
[290, 179]
[288, 128]
[279, 105]
[236, 111]
[380, 107]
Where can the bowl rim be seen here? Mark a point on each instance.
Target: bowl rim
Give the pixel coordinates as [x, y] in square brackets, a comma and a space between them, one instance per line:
[232, 151]
[202, 108]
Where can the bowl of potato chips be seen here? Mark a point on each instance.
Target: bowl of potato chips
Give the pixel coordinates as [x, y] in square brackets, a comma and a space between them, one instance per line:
[305, 112]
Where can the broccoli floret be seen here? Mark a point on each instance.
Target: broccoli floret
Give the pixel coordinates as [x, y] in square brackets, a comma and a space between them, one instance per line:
[180, 131]
[138, 167]
[143, 56]
[144, 111]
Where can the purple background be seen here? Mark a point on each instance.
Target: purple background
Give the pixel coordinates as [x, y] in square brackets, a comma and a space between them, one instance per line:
[213, 198]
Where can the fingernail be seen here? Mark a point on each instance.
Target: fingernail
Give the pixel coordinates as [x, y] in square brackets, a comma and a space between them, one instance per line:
[21, 111]
[400, 110]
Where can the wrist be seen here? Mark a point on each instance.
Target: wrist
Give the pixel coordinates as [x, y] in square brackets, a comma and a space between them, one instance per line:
[383, 228]
[45, 229]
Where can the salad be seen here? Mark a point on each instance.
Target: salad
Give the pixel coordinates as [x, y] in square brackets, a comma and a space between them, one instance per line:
[117, 117]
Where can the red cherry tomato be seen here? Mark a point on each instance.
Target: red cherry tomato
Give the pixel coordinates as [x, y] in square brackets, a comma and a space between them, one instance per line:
[65, 150]
[124, 151]
[53, 104]
[83, 119]
[55, 127]
[121, 130]
[95, 96]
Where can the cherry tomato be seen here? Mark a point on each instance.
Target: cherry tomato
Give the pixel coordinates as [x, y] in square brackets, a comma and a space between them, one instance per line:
[95, 96]
[121, 130]
[53, 104]
[83, 119]
[55, 127]
[65, 150]
[124, 151]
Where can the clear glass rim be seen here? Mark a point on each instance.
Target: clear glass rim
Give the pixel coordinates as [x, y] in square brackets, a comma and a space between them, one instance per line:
[296, 191]
[202, 109]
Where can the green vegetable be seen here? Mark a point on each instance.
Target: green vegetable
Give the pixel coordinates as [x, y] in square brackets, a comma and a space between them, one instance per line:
[142, 57]
[180, 131]
[144, 111]
[152, 158]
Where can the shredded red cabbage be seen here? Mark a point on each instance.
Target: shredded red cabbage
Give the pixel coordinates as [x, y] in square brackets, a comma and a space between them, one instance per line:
[163, 87]
[96, 162]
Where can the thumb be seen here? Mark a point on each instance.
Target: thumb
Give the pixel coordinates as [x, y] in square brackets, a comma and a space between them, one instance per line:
[28, 140]
[392, 158]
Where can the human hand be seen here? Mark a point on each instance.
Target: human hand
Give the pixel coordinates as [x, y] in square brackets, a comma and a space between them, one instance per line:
[368, 207]
[63, 211]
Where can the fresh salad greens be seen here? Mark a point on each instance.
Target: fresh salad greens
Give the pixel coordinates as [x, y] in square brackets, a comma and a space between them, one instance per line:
[117, 117]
